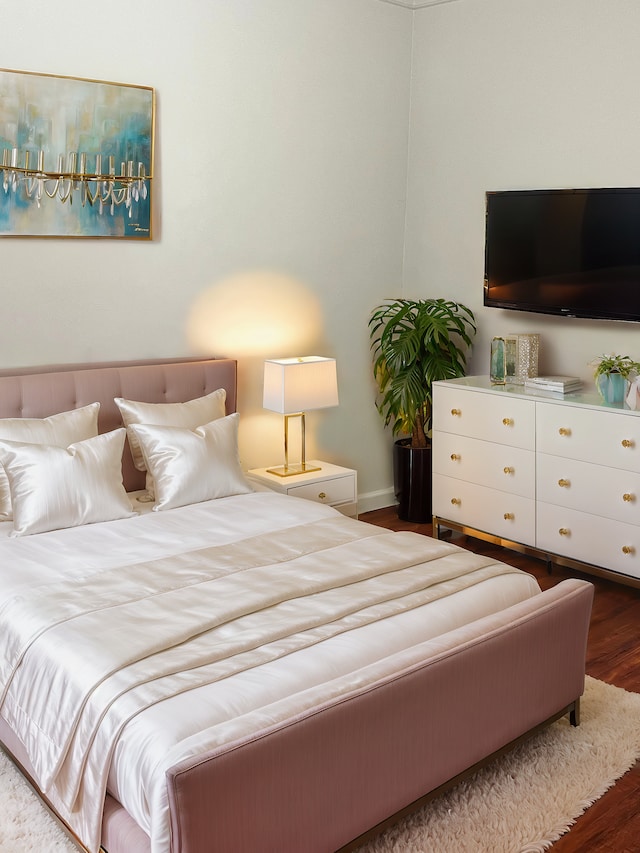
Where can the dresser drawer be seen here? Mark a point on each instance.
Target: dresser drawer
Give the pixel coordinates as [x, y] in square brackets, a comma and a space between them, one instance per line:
[334, 491]
[498, 418]
[498, 466]
[499, 513]
[589, 538]
[605, 437]
[595, 489]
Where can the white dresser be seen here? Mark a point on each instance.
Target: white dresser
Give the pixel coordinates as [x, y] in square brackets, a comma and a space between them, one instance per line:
[560, 476]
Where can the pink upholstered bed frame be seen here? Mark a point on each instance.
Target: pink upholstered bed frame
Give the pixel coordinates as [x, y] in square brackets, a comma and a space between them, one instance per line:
[334, 775]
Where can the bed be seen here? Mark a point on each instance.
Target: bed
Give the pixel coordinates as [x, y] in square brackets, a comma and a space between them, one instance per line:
[232, 669]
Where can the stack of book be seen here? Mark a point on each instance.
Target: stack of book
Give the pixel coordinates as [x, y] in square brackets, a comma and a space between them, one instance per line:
[553, 384]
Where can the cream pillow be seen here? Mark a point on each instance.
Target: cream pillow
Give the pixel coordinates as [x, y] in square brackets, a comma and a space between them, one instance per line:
[53, 487]
[190, 414]
[61, 430]
[189, 466]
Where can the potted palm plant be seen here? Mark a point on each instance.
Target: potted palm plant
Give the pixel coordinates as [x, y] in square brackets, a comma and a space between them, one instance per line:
[414, 343]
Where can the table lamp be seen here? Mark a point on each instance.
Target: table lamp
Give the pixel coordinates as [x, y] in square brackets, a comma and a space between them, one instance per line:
[293, 386]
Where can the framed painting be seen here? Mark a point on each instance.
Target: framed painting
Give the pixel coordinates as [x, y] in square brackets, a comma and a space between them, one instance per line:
[77, 157]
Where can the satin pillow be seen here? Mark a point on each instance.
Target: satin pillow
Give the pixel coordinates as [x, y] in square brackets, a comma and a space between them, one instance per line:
[193, 465]
[54, 487]
[190, 414]
[61, 430]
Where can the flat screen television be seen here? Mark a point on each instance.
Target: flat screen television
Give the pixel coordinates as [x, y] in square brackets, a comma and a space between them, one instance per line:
[574, 252]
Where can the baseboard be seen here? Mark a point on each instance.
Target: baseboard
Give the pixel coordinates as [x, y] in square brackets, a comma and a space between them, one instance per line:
[376, 500]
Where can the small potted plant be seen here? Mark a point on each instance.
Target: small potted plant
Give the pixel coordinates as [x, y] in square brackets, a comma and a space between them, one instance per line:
[611, 373]
[414, 343]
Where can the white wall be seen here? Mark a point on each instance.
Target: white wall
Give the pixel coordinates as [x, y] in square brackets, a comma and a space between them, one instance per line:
[505, 95]
[281, 157]
[281, 163]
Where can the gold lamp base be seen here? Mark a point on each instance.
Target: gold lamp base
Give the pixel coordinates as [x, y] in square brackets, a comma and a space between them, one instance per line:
[290, 470]
[301, 467]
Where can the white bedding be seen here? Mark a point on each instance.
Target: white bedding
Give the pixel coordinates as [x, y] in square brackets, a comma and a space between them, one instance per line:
[282, 657]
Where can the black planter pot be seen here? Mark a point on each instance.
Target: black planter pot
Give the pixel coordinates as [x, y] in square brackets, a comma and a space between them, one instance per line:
[412, 481]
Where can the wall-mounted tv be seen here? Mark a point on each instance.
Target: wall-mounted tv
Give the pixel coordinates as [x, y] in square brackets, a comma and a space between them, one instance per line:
[570, 252]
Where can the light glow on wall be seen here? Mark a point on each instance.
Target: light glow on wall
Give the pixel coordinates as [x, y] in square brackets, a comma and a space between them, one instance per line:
[255, 313]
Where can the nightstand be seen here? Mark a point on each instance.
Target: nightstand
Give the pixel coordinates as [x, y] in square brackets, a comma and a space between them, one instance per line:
[332, 485]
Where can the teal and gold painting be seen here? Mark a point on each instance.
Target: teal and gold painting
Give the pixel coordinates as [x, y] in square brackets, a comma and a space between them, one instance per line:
[77, 157]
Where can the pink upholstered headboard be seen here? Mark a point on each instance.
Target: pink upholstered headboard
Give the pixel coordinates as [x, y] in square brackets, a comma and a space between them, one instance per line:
[37, 392]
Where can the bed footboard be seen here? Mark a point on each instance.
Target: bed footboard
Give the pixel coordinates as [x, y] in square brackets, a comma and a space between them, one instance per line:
[328, 776]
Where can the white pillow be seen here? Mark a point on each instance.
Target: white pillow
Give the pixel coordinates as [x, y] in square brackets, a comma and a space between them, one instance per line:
[54, 487]
[61, 430]
[190, 414]
[189, 466]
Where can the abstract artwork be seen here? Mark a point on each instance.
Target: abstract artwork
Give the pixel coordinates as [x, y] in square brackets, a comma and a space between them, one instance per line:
[77, 157]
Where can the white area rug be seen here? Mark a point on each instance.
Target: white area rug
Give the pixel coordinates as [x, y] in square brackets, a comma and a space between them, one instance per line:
[521, 802]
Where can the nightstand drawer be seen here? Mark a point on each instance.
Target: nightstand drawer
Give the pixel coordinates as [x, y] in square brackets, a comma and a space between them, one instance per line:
[334, 491]
[326, 484]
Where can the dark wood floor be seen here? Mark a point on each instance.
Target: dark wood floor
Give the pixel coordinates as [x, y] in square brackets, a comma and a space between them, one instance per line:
[612, 824]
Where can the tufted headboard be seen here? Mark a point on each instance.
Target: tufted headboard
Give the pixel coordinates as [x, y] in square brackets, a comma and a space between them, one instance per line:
[37, 392]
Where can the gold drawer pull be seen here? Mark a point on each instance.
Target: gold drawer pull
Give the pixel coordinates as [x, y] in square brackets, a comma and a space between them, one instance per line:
[564, 484]
[456, 413]
[456, 501]
[508, 469]
[322, 495]
[628, 498]
[627, 442]
[564, 431]
[628, 549]
[507, 421]
[564, 531]
[455, 457]
[509, 516]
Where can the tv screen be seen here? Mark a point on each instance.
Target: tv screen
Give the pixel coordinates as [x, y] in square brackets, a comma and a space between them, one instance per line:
[570, 252]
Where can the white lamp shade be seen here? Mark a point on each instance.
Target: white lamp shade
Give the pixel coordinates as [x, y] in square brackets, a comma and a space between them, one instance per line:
[300, 384]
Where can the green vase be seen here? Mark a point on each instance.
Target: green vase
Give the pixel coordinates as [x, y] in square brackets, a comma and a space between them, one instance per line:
[612, 387]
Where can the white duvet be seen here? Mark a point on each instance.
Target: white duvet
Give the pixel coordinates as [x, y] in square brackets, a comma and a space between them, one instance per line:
[131, 645]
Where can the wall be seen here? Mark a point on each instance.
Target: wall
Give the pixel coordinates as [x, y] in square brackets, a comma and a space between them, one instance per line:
[505, 95]
[281, 155]
[281, 163]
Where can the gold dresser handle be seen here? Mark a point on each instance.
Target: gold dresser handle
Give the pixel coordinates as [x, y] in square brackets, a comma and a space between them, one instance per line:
[628, 498]
[456, 413]
[322, 495]
[564, 531]
[509, 516]
[456, 501]
[564, 483]
[508, 469]
[628, 549]
[564, 431]
[455, 457]
[626, 442]
[507, 421]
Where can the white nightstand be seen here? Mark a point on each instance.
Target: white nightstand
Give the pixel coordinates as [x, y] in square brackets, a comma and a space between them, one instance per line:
[332, 485]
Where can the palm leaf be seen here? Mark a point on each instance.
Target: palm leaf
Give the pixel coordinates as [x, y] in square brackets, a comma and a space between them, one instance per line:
[415, 343]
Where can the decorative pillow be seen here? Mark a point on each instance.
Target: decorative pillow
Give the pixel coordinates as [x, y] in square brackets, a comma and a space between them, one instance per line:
[190, 415]
[193, 465]
[60, 430]
[53, 487]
